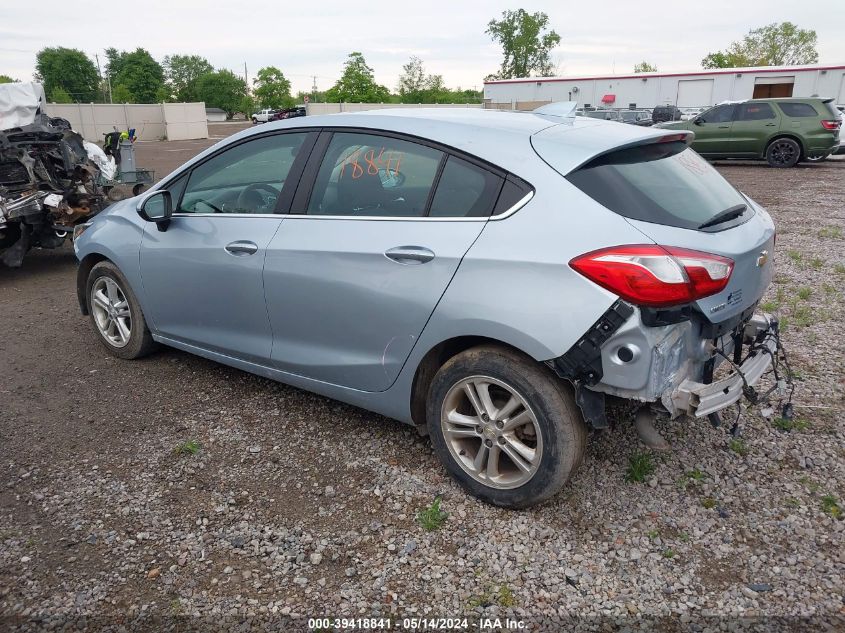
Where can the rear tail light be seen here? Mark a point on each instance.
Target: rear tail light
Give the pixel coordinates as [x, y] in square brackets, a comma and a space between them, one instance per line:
[831, 125]
[657, 276]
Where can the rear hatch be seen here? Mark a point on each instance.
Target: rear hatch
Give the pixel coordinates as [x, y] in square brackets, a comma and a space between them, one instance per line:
[675, 199]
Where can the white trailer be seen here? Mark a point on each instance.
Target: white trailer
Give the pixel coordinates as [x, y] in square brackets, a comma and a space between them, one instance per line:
[685, 90]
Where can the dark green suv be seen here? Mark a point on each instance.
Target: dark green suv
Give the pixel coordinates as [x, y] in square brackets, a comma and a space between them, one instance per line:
[783, 131]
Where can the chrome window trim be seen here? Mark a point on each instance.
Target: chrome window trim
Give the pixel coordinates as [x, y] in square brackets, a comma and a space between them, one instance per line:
[301, 216]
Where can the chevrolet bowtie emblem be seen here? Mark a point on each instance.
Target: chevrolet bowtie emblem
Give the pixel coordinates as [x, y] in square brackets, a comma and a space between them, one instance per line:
[764, 257]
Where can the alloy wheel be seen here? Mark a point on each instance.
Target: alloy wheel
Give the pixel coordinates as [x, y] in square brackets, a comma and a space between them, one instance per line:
[111, 311]
[491, 432]
[783, 152]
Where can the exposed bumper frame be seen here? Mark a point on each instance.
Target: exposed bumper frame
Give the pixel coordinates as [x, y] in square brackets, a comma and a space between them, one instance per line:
[699, 400]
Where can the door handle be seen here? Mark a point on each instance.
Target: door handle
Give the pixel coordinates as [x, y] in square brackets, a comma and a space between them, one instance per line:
[770, 124]
[242, 248]
[409, 255]
[724, 127]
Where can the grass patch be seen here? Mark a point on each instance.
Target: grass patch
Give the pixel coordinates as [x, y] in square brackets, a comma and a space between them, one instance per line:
[794, 256]
[839, 269]
[791, 502]
[769, 306]
[640, 466]
[786, 424]
[802, 316]
[696, 475]
[653, 534]
[831, 506]
[669, 553]
[503, 596]
[832, 232]
[817, 263]
[683, 537]
[738, 446]
[191, 447]
[506, 597]
[432, 517]
[708, 502]
[804, 293]
[812, 486]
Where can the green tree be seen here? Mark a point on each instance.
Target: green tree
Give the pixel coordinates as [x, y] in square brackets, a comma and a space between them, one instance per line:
[69, 69]
[272, 89]
[357, 84]
[775, 44]
[142, 75]
[221, 89]
[182, 72]
[415, 86]
[60, 95]
[645, 67]
[5, 79]
[121, 94]
[526, 43]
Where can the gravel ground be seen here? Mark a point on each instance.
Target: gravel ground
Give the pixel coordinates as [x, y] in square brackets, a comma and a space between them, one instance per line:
[282, 505]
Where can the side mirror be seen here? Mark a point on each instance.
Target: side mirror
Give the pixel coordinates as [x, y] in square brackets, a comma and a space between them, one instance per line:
[157, 207]
[698, 120]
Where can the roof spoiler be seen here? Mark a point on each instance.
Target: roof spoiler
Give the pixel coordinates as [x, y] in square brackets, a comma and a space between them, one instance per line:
[559, 109]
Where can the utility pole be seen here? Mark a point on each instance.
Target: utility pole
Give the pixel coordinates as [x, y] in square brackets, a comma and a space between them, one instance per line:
[246, 79]
[314, 87]
[99, 72]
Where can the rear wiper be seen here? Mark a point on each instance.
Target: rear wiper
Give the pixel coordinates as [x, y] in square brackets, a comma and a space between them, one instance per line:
[723, 216]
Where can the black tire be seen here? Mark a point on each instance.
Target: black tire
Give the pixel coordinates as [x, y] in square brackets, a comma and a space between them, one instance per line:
[254, 120]
[558, 420]
[138, 189]
[140, 341]
[783, 152]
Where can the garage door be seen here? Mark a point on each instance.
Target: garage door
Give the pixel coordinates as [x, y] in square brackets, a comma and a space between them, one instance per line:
[693, 93]
[773, 87]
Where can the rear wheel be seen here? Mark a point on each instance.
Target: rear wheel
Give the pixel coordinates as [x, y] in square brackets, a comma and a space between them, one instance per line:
[116, 314]
[783, 152]
[505, 427]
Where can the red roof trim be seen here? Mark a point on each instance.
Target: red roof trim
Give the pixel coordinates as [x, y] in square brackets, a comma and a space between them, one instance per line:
[727, 71]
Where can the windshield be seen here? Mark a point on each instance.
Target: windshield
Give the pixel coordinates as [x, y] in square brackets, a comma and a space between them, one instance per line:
[664, 183]
[600, 114]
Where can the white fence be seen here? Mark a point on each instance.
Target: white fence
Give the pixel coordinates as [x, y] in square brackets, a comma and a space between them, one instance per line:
[332, 108]
[174, 121]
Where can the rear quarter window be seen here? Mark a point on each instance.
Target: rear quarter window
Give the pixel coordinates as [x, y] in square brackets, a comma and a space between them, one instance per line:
[663, 183]
[798, 109]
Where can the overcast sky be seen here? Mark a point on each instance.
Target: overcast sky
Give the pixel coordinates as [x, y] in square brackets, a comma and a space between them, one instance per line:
[314, 38]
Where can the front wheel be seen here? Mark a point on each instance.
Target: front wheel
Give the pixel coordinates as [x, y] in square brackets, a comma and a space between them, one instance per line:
[116, 314]
[504, 426]
[783, 152]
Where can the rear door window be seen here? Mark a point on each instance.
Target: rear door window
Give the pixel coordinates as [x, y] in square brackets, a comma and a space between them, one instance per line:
[372, 175]
[797, 109]
[754, 112]
[663, 183]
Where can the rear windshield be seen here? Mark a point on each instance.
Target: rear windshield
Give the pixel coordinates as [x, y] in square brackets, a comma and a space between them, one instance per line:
[663, 183]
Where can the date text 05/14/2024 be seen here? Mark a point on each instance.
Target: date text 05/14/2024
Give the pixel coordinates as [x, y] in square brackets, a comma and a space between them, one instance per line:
[416, 624]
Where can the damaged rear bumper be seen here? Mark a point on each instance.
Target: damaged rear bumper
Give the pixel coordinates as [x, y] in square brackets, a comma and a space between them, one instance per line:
[699, 400]
[671, 366]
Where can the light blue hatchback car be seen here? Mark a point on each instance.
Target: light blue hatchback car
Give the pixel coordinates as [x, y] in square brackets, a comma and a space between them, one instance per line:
[495, 279]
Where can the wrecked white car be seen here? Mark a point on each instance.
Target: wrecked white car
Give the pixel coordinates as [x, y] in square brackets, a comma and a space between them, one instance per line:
[48, 181]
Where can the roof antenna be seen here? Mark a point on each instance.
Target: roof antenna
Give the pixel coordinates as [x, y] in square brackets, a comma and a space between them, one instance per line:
[562, 109]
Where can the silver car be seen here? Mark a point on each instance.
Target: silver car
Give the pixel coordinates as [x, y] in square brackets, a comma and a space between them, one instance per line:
[495, 279]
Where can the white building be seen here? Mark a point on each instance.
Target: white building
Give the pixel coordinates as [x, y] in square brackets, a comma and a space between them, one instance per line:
[685, 90]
